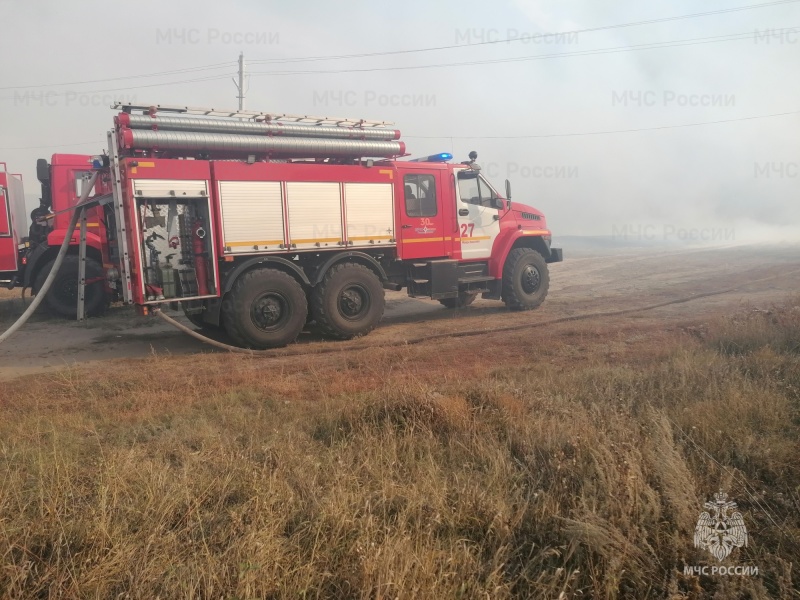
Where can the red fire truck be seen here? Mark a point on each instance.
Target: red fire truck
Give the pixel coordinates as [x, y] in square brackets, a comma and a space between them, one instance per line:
[259, 223]
[27, 252]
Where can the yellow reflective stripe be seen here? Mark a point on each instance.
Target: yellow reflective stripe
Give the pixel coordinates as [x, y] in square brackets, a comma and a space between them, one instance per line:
[418, 240]
[315, 240]
[255, 243]
[358, 238]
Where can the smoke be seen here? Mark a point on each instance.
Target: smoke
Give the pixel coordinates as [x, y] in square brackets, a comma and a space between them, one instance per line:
[740, 175]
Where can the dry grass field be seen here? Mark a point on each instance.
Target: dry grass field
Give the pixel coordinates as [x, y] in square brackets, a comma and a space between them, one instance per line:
[563, 462]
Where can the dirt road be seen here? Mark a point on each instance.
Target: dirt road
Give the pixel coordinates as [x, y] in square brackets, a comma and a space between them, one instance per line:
[591, 280]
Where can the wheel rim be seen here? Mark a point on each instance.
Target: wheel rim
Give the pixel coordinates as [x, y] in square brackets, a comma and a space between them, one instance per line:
[270, 311]
[353, 302]
[531, 279]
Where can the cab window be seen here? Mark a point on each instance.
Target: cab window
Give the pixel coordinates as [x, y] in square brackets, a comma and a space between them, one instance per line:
[420, 195]
[488, 195]
[81, 179]
[5, 215]
[473, 189]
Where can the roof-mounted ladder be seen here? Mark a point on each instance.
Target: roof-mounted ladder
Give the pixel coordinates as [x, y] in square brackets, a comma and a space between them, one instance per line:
[248, 115]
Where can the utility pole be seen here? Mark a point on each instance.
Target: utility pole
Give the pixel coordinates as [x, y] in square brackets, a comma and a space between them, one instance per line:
[240, 84]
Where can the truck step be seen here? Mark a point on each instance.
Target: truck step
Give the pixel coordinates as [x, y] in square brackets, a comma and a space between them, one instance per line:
[421, 281]
[476, 279]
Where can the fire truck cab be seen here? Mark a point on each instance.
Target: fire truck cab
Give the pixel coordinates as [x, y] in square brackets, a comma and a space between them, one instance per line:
[12, 226]
[455, 222]
[62, 181]
[259, 225]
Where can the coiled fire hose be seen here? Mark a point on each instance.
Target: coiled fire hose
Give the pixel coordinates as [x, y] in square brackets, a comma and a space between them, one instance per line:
[62, 252]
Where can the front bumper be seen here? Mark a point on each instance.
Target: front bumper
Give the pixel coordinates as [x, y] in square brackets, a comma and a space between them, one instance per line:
[556, 255]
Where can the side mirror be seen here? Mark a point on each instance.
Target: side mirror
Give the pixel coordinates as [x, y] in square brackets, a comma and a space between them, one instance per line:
[508, 190]
[499, 204]
[42, 170]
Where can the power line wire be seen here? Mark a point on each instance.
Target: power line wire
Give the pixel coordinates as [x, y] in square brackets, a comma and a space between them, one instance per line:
[133, 87]
[598, 51]
[95, 143]
[511, 40]
[409, 51]
[607, 132]
[157, 74]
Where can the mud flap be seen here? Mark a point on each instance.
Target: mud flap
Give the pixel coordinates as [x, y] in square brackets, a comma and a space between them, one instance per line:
[444, 279]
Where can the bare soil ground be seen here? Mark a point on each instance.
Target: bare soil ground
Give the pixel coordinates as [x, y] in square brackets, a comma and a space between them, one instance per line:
[589, 281]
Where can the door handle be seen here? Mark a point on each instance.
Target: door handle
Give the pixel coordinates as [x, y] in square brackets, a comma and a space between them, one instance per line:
[406, 227]
[463, 212]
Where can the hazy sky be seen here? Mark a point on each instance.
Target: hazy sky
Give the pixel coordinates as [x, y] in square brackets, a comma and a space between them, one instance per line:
[736, 181]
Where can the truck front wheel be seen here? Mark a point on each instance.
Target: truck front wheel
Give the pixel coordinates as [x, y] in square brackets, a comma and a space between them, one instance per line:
[349, 301]
[525, 279]
[266, 308]
[62, 297]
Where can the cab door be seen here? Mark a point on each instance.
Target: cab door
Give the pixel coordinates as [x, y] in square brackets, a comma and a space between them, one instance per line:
[478, 215]
[420, 216]
[8, 246]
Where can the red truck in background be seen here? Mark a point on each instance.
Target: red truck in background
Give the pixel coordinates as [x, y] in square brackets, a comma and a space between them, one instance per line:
[12, 225]
[28, 249]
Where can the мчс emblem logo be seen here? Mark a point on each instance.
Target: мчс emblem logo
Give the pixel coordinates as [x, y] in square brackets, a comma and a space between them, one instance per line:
[718, 530]
[426, 226]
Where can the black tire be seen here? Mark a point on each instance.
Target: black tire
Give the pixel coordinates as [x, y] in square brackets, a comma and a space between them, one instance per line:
[349, 301]
[525, 279]
[464, 299]
[266, 308]
[62, 297]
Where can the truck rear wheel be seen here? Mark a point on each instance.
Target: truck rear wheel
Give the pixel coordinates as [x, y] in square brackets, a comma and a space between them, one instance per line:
[349, 301]
[464, 299]
[62, 297]
[525, 279]
[266, 308]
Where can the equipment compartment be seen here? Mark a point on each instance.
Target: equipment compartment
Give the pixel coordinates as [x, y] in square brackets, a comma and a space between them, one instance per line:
[176, 252]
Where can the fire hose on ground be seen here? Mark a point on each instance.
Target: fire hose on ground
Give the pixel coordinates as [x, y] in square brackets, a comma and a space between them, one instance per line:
[208, 340]
[62, 252]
